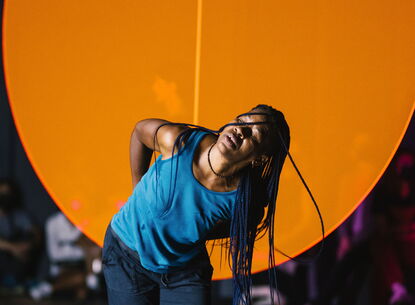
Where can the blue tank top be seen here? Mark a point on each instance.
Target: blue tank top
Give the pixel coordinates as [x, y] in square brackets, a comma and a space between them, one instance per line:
[167, 236]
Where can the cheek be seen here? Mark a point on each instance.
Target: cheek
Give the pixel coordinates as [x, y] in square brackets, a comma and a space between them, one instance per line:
[250, 149]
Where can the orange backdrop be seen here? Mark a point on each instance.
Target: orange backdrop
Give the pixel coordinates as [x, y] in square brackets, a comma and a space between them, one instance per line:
[80, 74]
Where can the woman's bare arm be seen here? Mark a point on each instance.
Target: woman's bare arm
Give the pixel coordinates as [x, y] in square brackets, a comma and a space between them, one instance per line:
[142, 144]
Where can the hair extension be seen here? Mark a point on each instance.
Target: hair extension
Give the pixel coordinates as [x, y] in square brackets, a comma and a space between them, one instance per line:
[243, 229]
[257, 190]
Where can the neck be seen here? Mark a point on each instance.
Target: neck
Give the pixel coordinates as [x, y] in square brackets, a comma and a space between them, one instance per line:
[203, 172]
[211, 167]
[217, 167]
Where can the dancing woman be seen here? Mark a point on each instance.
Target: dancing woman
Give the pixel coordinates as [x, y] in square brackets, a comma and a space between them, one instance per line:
[205, 185]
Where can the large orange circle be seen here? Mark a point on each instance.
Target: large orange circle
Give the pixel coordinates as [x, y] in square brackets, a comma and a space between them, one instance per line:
[79, 75]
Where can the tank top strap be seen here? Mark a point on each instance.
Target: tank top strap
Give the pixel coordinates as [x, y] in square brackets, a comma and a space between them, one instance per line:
[192, 142]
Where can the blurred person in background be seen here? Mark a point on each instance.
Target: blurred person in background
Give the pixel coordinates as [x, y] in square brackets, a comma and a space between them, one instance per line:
[350, 274]
[75, 264]
[378, 239]
[394, 243]
[19, 239]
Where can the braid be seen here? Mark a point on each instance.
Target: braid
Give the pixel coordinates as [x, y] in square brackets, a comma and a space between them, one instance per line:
[257, 190]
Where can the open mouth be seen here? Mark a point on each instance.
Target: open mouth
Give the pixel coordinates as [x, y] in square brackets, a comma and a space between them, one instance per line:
[232, 140]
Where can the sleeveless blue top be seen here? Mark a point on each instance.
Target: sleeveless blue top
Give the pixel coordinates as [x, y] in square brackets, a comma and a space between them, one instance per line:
[167, 236]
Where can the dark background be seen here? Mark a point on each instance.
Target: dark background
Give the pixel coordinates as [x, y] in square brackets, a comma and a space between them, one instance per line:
[15, 164]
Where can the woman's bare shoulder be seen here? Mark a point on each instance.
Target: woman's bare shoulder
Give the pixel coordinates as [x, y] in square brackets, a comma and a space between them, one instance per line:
[158, 134]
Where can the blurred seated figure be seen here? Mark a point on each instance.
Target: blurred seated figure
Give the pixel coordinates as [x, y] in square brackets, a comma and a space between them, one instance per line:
[350, 274]
[386, 251]
[394, 244]
[74, 260]
[19, 238]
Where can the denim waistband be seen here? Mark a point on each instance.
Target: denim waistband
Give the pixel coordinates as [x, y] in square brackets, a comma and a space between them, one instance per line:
[199, 260]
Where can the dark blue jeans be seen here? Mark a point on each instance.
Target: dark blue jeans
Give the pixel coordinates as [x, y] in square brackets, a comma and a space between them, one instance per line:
[129, 283]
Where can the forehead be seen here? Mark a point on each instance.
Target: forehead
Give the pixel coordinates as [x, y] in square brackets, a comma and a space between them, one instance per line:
[253, 117]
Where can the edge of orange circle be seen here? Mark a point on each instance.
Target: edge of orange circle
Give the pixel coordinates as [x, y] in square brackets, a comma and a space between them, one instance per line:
[54, 197]
[32, 163]
[327, 233]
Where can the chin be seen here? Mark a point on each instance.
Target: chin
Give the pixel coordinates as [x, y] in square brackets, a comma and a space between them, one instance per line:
[223, 147]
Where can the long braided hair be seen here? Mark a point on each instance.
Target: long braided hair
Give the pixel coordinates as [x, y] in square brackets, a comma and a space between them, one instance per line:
[257, 190]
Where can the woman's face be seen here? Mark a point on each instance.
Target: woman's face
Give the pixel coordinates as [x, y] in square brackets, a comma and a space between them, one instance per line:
[245, 142]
